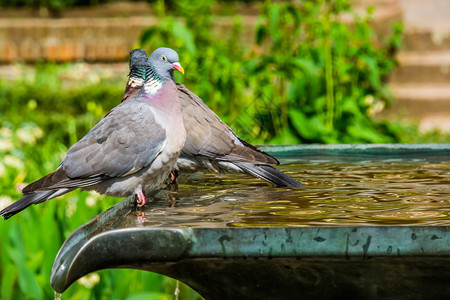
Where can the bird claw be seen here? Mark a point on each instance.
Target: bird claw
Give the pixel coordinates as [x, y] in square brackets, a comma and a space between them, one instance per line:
[173, 177]
[173, 201]
[141, 217]
[142, 198]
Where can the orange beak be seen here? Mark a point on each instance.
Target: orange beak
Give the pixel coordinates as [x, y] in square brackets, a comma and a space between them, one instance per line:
[178, 67]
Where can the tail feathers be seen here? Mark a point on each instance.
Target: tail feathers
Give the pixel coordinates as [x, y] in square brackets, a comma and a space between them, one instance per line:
[269, 174]
[24, 202]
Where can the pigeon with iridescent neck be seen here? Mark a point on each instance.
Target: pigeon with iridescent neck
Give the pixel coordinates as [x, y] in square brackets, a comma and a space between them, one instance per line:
[136, 77]
[133, 148]
[210, 143]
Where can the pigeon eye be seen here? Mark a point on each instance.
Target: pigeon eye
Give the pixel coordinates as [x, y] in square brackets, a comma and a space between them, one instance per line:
[163, 58]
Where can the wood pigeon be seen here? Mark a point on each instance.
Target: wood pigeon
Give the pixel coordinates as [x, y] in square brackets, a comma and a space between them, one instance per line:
[133, 148]
[210, 143]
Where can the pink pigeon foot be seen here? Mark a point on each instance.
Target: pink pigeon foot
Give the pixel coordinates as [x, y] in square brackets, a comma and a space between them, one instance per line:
[141, 216]
[173, 177]
[142, 198]
[172, 201]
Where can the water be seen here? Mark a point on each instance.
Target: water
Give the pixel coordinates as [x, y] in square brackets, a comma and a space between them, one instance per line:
[177, 290]
[57, 296]
[344, 192]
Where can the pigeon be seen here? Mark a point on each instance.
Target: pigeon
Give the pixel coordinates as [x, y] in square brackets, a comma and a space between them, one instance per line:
[136, 77]
[210, 143]
[133, 148]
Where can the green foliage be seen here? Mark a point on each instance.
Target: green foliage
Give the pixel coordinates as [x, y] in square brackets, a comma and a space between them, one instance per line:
[308, 76]
[70, 94]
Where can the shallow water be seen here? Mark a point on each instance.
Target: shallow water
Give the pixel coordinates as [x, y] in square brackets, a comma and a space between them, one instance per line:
[336, 192]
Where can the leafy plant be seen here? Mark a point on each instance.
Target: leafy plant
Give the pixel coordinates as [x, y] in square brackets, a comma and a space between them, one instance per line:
[308, 76]
[328, 73]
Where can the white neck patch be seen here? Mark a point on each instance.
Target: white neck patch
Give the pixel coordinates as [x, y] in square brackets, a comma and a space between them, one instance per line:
[136, 82]
[152, 86]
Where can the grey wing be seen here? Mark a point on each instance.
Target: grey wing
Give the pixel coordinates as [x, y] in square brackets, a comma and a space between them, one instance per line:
[206, 134]
[123, 142]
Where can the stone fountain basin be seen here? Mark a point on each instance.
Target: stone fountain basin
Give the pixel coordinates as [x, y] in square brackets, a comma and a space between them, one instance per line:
[281, 262]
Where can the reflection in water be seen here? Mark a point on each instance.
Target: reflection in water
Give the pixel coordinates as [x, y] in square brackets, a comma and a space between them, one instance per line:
[377, 192]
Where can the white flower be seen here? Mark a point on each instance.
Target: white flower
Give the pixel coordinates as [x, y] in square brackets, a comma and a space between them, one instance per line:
[92, 198]
[5, 201]
[2, 170]
[37, 132]
[24, 135]
[376, 108]
[369, 100]
[29, 135]
[14, 162]
[20, 186]
[5, 132]
[71, 207]
[6, 145]
[90, 280]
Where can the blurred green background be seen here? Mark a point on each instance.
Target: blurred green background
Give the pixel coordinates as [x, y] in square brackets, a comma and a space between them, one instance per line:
[306, 76]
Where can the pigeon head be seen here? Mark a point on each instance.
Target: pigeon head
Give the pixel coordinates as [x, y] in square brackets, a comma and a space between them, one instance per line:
[138, 63]
[161, 64]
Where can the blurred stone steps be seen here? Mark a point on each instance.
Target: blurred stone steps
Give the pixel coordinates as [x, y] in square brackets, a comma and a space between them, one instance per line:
[429, 105]
[422, 67]
[421, 82]
[425, 93]
[427, 39]
[421, 85]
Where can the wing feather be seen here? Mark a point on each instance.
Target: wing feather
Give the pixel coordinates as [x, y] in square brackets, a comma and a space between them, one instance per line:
[208, 136]
[123, 142]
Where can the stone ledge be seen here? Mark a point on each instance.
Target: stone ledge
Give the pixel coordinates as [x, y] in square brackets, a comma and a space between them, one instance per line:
[74, 39]
[81, 35]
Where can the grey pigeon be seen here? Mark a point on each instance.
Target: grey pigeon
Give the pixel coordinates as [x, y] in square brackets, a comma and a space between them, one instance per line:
[210, 143]
[133, 148]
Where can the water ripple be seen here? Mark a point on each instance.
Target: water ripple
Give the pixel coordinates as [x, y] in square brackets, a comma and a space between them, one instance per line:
[370, 192]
